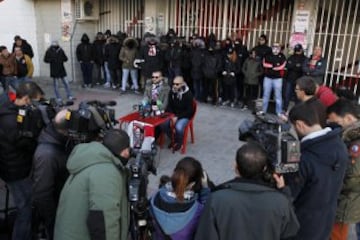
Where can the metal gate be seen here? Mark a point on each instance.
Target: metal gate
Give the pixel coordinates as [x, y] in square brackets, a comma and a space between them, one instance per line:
[338, 31]
[246, 18]
[122, 15]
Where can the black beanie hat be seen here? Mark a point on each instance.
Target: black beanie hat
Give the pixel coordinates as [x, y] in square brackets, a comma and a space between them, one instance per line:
[116, 140]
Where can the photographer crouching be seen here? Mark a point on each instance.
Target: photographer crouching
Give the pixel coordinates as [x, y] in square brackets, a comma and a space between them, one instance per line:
[93, 203]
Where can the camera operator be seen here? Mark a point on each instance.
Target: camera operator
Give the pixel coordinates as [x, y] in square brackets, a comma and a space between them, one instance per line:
[316, 189]
[248, 207]
[93, 203]
[16, 156]
[49, 170]
[182, 200]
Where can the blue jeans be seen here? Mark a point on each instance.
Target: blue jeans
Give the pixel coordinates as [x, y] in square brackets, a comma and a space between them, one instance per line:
[66, 85]
[179, 129]
[357, 228]
[21, 192]
[270, 84]
[107, 73]
[134, 78]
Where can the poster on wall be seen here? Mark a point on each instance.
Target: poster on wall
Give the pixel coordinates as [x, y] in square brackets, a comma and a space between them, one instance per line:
[66, 20]
[300, 29]
[149, 25]
[160, 24]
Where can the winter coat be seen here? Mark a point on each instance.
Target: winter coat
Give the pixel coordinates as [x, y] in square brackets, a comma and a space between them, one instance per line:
[318, 72]
[242, 53]
[128, 53]
[348, 210]
[316, 188]
[151, 62]
[85, 50]
[16, 151]
[275, 61]
[228, 68]
[174, 57]
[325, 95]
[252, 70]
[247, 209]
[49, 173]
[93, 203]
[25, 67]
[112, 50]
[56, 57]
[294, 67]
[212, 64]
[163, 93]
[262, 51]
[25, 48]
[9, 67]
[197, 60]
[181, 107]
[99, 49]
[176, 219]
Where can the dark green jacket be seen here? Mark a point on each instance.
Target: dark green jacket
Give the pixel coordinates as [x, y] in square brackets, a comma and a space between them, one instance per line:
[93, 203]
[348, 210]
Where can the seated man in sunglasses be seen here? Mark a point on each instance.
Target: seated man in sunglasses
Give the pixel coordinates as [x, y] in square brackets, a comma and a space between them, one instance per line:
[181, 105]
[157, 91]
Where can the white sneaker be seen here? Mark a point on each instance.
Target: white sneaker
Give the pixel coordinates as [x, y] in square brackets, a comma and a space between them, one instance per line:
[232, 105]
[225, 103]
[106, 85]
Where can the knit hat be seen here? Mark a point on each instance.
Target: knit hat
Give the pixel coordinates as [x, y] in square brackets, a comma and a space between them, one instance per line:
[116, 140]
[298, 47]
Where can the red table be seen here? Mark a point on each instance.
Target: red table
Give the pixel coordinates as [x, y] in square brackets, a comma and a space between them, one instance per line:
[154, 121]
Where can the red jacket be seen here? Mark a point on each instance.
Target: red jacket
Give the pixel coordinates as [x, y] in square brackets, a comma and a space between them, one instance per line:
[325, 95]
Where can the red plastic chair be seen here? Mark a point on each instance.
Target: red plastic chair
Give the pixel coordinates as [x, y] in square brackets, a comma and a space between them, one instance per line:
[189, 126]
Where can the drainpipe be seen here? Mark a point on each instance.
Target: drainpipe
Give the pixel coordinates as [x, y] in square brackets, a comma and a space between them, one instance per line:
[72, 53]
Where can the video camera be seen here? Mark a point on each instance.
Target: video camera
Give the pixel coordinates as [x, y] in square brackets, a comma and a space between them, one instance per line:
[273, 134]
[90, 120]
[32, 118]
[143, 150]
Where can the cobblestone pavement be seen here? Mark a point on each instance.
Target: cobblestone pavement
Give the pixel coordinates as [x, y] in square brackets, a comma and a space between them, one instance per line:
[216, 134]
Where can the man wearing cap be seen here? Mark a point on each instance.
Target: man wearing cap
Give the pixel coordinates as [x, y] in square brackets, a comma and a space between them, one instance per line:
[24, 45]
[294, 71]
[93, 203]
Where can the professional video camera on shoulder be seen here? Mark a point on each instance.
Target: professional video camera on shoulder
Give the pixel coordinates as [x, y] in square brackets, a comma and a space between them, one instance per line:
[143, 149]
[32, 118]
[274, 135]
[90, 120]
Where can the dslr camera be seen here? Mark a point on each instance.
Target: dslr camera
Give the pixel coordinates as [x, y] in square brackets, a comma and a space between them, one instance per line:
[274, 135]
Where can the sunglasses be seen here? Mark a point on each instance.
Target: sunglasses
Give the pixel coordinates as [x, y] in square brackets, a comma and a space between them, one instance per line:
[155, 77]
[176, 84]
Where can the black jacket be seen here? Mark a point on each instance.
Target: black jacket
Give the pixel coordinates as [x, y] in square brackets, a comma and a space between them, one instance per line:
[174, 57]
[16, 152]
[151, 63]
[316, 189]
[56, 56]
[276, 61]
[99, 48]
[246, 209]
[182, 108]
[85, 50]
[294, 66]
[25, 47]
[197, 59]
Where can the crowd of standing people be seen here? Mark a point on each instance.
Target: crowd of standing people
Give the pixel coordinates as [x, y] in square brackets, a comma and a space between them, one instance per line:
[81, 193]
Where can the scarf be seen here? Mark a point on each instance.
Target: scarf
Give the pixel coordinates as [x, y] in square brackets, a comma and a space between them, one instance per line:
[180, 92]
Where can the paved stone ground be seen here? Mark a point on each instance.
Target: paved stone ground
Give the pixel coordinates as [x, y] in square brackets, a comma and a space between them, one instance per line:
[216, 134]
